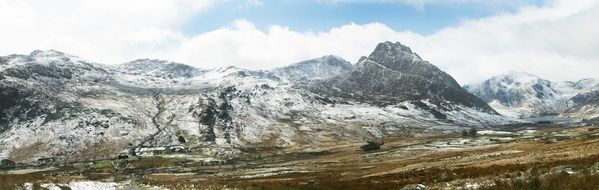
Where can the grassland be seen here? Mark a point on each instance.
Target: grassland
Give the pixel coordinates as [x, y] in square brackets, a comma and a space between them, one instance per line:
[541, 158]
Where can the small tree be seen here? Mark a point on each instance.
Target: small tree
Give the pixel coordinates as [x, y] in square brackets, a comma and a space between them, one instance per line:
[469, 133]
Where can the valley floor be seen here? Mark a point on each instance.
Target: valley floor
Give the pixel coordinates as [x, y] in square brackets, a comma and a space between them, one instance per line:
[540, 157]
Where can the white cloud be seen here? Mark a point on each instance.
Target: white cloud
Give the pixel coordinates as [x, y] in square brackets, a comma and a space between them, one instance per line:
[91, 28]
[557, 41]
[245, 46]
[421, 4]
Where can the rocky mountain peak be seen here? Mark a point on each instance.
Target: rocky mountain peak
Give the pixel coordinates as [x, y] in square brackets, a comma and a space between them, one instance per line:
[393, 73]
[394, 52]
[393, 47]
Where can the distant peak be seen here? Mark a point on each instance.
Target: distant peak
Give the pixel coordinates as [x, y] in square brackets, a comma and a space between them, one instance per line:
[326, 60]
[146, 61]
[588, 80]
[331, 57]
[518, 73]
[46, 53]
[519, 76]
[226, 69]
[152, 63]
[333, 60]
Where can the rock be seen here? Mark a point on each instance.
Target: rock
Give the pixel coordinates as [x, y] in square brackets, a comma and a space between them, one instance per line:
[595, 167]
[567, 169]
[414, 187]
[6, 164]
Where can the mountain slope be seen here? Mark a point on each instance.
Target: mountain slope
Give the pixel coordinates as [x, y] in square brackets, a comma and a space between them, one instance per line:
[393, 73]
[585, 107]
[59, 106]
[315, 69]
[524, 95]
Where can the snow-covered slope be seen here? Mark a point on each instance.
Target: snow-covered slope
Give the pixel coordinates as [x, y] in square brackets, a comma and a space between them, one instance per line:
[60, 106]
[520, 94]
[585, 107]
[316, 69]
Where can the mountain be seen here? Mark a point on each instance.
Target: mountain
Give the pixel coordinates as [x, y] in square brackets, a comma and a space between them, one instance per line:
[60, 107]
[584, 107]
[523, 95]
[393, 73]
[315, 69]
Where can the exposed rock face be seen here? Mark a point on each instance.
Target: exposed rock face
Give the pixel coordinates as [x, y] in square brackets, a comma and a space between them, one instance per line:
[61, 107]
[393, 73]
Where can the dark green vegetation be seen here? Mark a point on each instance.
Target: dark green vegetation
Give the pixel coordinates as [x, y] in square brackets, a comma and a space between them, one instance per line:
[371, 145]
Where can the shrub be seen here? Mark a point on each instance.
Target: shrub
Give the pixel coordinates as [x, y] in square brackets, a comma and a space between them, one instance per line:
[371, 145]
[469, 133]
[6, 164]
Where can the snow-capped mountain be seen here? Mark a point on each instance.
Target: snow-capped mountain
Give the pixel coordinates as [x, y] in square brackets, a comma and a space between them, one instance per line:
[585, 106]
[393, 73]
[519, 94]
[61, 106]
[316, 69]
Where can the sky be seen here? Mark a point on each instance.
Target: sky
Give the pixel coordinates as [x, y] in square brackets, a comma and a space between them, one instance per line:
[472, 40]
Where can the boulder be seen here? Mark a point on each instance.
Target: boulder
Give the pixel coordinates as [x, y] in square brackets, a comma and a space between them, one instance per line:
[414, 187]
[567, 169]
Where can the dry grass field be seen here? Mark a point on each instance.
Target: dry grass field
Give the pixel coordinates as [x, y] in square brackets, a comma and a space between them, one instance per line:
[544, 158]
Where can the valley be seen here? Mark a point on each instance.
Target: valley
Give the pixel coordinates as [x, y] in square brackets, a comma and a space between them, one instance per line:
[494, 158]
[390, 121]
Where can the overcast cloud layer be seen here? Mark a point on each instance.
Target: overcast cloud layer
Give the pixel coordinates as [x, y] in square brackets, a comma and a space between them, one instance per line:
[558, 41]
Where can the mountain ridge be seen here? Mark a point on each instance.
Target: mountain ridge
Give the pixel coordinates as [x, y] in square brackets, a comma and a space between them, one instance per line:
[392, 73]
[520, 94]
[70, 109]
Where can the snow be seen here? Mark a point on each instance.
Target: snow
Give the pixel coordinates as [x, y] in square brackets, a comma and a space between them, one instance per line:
[154, 101]
[521, 95]
[95, 185]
